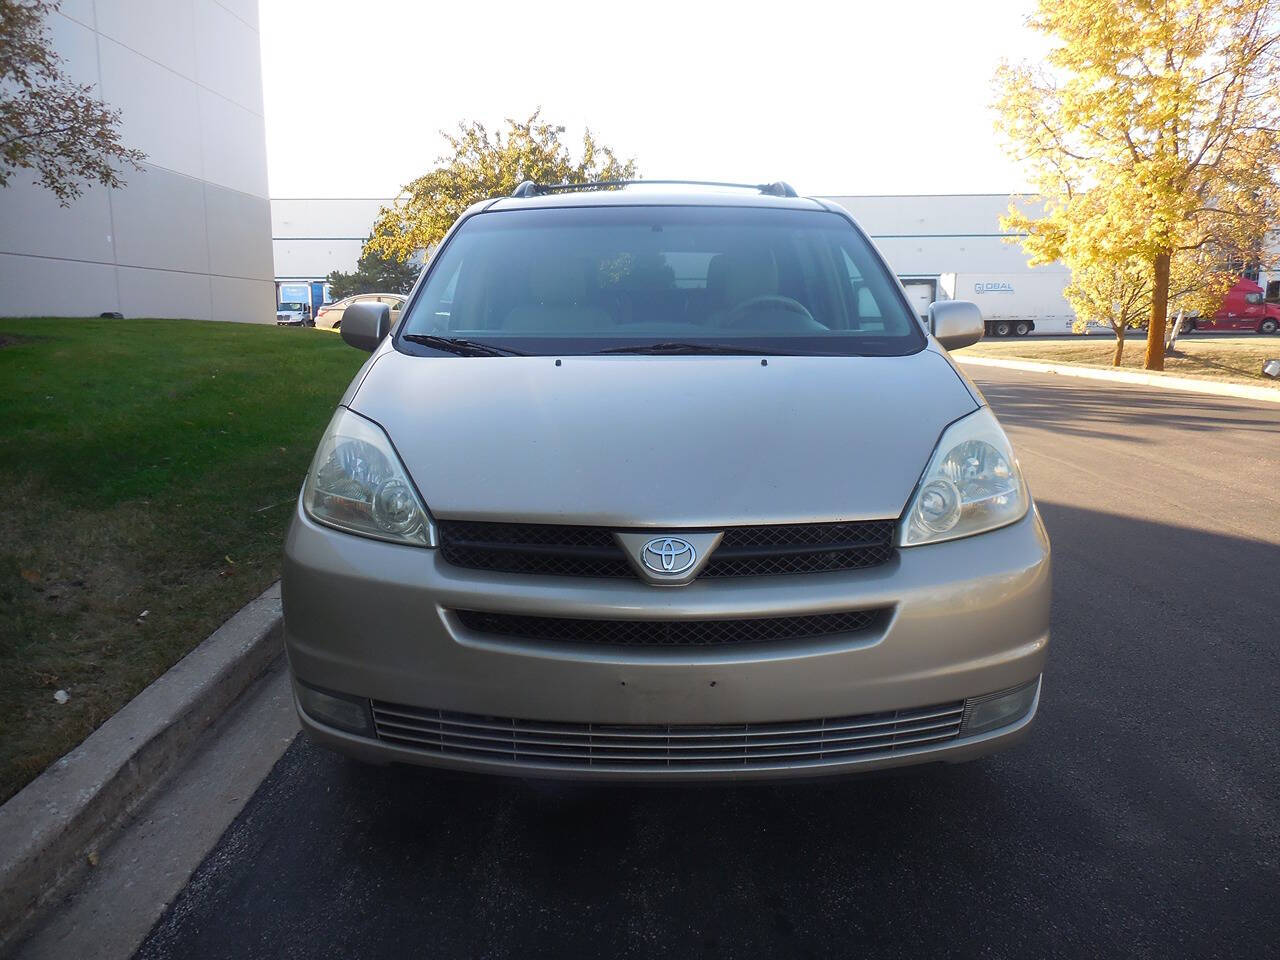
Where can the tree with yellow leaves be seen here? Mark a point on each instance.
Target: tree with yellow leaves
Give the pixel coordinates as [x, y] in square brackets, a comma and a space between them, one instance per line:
[1153, 135]
[1118, 294]
[483, 165]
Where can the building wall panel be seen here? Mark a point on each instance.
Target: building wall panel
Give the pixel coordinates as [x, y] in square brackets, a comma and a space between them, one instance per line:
[42, 287]
[163, 293]
[234, 144]
[190, 234]
[239, 226]
[328, 218]
[160, 30]
[237, 300]
[227, 61]
[77, 44]
[160, 222]
[160, 108]
[35, 223]
[313, 259]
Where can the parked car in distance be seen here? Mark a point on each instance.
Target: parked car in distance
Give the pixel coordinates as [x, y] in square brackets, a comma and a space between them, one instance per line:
[1243, 308]
[293, 313]
[655, 485]
[329, 316]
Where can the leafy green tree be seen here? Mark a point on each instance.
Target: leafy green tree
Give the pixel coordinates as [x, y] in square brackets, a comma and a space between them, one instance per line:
[375, 273]
[481, 165]
[1153, 132]
[59, 129]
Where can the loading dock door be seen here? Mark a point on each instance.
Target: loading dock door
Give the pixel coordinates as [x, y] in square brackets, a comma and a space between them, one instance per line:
[921, 293]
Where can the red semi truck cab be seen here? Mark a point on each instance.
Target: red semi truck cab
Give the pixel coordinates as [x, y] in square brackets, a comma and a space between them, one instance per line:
[1244, 308]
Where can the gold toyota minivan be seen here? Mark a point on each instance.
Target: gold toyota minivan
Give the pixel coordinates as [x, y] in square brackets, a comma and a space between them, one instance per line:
[660, 482]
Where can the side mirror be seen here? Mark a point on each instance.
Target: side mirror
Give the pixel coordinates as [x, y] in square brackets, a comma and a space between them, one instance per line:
[365, 324]
[956, 323]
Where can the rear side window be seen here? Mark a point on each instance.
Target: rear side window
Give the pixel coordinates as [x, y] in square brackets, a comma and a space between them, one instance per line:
[579, 280]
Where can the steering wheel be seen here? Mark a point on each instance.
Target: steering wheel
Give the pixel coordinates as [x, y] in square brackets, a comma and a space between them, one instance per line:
[739, 312]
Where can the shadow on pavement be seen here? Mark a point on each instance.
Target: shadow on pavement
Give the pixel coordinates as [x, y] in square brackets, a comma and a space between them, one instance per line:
[1115, 411]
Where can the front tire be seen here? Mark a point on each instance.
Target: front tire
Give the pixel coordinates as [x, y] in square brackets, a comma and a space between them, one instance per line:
[1267, 326]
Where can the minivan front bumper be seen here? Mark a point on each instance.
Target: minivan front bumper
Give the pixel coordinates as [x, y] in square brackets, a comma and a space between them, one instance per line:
[373, 625]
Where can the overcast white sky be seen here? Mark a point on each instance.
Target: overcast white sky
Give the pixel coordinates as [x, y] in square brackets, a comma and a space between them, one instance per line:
[837, 98]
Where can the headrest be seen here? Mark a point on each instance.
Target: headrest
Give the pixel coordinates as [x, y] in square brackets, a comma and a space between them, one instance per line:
[557, 280]
[735, 277]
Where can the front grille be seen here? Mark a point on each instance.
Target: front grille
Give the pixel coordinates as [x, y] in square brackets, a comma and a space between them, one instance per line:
[574, 551]
[667, 633]
[544, 548]
[801, 548]
[666, 746]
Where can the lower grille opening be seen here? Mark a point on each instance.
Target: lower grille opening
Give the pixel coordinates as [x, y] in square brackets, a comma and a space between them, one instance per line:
[669, 633]
[745, 745]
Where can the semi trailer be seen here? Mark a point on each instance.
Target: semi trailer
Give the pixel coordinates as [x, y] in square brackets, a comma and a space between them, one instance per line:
[1014, 304]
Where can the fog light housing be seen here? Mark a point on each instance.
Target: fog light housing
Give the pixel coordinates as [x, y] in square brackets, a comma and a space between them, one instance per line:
[995, 710]
[335, 710]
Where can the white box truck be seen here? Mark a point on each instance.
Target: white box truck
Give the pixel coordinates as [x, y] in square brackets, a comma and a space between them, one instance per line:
[293, 305]
[1014, 304]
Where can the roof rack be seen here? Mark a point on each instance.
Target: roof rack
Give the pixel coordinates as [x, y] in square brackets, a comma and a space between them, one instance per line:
[779, 188]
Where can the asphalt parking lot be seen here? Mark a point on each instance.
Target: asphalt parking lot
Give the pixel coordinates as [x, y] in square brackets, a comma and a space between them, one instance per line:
[1139, 820]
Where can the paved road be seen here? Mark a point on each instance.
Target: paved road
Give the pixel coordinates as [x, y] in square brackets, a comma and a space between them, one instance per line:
[1140, 820]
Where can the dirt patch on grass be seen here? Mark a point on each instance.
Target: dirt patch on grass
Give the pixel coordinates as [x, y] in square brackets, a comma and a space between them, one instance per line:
[71, 624]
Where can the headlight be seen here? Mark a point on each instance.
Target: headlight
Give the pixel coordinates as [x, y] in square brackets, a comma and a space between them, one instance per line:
[972, 485]
[358, 484]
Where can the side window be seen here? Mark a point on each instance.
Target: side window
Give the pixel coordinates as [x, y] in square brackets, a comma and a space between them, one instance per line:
[869, 316]
[451, 287]
[868, 309]
[855, 275]
[1254, 298]
[443, 314]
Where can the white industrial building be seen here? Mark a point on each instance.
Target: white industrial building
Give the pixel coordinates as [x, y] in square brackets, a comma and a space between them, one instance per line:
[190, 234]
[942, 246]
[951, 246]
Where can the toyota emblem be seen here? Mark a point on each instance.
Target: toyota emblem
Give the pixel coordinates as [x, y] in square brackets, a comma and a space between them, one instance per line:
[668, 555]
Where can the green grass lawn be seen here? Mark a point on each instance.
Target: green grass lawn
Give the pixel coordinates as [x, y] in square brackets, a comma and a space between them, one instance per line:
[145, 465]
[1233, 359]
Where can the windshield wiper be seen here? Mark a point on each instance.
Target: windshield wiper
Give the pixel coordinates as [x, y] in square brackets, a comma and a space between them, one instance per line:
[463, 348]
[677, 347]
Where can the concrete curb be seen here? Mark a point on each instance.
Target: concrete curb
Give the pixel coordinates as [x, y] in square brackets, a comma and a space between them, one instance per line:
[1216, 388]
[51, 827]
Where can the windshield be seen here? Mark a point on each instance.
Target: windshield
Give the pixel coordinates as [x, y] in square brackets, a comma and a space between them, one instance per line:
[290, 307]
[676, 278]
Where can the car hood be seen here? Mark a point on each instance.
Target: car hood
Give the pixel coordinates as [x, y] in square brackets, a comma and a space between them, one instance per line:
[663, 441]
